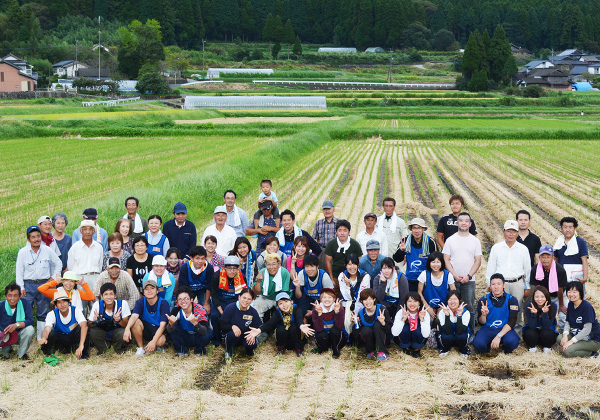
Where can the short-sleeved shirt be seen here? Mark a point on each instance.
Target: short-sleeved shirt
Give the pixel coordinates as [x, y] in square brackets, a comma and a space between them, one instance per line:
[578, 317]
[339, 259]
[125, 310]
[139, 270]
[164, 308]
[272, 196]
[448, 225]
[560, 273]
[436, 282]
[324, 231]
[533, 244]
[260, 243]
[51, 318]
[462, 251]
[572, 259]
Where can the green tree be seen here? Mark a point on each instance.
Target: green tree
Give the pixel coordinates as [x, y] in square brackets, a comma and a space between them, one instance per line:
[247, 20]
[140, 44]
[152, 82]
[297, 50]
[278, 30]
[472, 56]
[276, 49]
[364, 27]
[177, 60]
[288, 36]
[498, 54]
[479, 82]
[443, 40]
[269, 32]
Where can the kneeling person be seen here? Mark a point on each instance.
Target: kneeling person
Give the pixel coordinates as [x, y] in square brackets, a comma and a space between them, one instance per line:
[498, 313]
[66, 329]
[16, 320]
[108, 319]
[148, 321]
[188, 324]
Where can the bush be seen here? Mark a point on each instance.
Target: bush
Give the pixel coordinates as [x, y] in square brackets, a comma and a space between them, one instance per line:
[512, 90]
[461, 83]
[153, 83]
[508, 101]
[257, 55]
[565, 100]
[479, 82]
[533, 91]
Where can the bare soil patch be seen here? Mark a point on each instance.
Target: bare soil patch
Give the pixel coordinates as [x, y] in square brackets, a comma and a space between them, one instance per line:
[246, 120]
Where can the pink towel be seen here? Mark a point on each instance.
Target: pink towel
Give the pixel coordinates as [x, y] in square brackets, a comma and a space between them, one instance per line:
[552, 277]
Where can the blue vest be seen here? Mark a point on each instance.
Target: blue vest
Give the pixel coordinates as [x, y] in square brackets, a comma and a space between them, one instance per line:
[286, 248]
[415, 263]
[227, 295]
[389, 299]
[65, 328]
[435, 295]
[329, 324]
[158, 248]
[118, 304]
[152, 318]
[360, 275]
[363, 312]
[293, 307]
[246, 268]
[199, 283]
[498, 317]
[185, 324]
[314, 292]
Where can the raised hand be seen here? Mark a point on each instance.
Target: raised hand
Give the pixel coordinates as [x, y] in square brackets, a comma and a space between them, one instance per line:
[532, 308]
[422, 314]
[353, 317]
[117, 316]
[336, 306]
[305, 328]
[318, 308]
[445, 309]
[381, 317]
[402, 245]
[484, 308]
[461, 309]
[404, 313]
[172, 320]
[296, 281]
[382, 278]
[193, 320]
[546, 308]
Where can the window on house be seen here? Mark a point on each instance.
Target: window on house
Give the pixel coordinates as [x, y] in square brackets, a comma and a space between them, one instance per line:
[1, 76]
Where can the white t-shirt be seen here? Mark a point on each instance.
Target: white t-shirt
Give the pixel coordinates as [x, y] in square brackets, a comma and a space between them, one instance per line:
[363, 237]
[436, 282]
[125, 310]
[51, 318]
[225, 238]
[462, 251]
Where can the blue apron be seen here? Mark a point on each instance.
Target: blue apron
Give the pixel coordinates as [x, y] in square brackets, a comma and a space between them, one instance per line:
[498, 317]
[415, 263]
[158, 248]
[435, 295]
[363, 312]
[65, 328]
[152, 318]
[185, 324]
[198, 284]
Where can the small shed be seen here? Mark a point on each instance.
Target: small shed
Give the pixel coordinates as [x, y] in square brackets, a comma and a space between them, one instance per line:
[582, 86]
[340, 50]
[374, 50]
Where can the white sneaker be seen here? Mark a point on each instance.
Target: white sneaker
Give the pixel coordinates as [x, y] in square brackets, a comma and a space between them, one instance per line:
[140, 351]
[547, 350]
[466, 356]
[532, 349]
[443, 353]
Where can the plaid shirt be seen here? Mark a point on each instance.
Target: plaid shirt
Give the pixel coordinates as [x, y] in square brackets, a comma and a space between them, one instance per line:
[324, 231]
[126, 288]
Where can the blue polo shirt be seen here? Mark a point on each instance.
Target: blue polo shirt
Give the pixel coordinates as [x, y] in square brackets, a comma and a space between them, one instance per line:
[572, 259]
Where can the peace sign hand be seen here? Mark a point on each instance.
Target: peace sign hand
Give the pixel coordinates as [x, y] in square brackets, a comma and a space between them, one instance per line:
[353, 317]
[381, 317]
[404, 313]
[402, 245]
[422, 314]
[461, 309]
[484, 309]
[445, 309]
[533, 309]
[546, 308]
[336, 306]
[117, 316]
[318, 308]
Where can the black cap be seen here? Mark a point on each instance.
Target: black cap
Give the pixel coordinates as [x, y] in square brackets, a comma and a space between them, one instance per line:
[90, 213]
[266, 205]
[112, 261]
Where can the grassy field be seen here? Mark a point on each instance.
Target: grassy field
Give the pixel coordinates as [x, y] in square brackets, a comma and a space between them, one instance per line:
[66, 158]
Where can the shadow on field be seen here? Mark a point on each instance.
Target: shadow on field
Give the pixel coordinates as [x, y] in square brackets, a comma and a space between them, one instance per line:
[473, 411]
[225, 378]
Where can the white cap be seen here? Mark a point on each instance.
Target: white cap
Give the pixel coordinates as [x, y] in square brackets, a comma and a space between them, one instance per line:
[159, 260]
[87, 222]
[220, 209]
[511, 224]
[43, 219]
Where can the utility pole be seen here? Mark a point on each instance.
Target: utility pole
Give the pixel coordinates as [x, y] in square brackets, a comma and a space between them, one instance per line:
[99, 46]
[203, 73]
[75, 64]
[390, 70]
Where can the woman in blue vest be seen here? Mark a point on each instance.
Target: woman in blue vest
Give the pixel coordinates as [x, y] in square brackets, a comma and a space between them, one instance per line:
[581, 334]
[197, 274]
[372, 325]
[238, 323]
[158, 244]
[306, 287]
[66, 329]
[412, 325]
[497, 314]
[454, 325]
[328, 323]
[435, 283]
[390, 286]
[247, 256]
[288, 322]
[540, 321]
[414, 250]
[188, 325]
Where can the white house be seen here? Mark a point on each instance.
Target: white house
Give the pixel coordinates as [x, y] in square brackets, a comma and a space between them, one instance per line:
[68, 68]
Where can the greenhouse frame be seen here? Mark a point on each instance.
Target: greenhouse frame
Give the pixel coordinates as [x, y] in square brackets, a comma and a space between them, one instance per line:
[255, 102]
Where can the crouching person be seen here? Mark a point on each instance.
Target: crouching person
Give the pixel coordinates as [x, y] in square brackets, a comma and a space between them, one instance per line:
[16, 321]
[269, 282]
[328, 322]
[497, 313]
[148, 321]
[454, 325]
[372, 325]
[412, 325]
[66, 329]
[108, 319]
[238, 323]
[188, 325]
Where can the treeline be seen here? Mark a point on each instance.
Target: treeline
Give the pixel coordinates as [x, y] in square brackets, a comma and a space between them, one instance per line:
[422, 24]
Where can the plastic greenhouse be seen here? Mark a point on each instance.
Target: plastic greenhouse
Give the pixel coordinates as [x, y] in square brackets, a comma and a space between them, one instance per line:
[255, 102]
[216, 73]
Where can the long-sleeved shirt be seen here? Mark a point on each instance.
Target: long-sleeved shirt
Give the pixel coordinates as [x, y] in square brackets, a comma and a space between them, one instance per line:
[6, 320]
[363, 237]
[338, 319]
[126, 288]
[546, 321]
[312, 244]
[379, 288]
[85, 259]
[399, 324]
[181, 237]
[365, 264]
[512, 262]
[49, 288]
[513, 306]
[399, 255]
[396, 236]
[240, 230]
[40, 265]
[324, 231]
[277, 320]
[461, 322]
[232, 315]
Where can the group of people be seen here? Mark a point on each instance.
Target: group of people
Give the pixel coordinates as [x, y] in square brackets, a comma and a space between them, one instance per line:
[152, 284]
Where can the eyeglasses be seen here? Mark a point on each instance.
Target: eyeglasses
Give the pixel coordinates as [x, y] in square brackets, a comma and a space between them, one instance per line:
[185, 299]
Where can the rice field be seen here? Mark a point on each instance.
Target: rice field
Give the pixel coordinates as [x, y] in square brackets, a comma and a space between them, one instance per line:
[307, 166]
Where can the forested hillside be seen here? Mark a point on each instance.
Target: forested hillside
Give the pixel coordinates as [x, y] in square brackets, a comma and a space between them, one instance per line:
[423, 24]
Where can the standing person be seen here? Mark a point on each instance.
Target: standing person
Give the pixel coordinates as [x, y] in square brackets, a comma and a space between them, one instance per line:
[125, 287]
[180, 231]
[100, 235]
[237, 323]
[526, 237]
[140, 263]
[324, 230]
[124, 226]
[16, 318]
[372, 326]
[224, 233]
[289, 232]
[371, 262]
[64, 241]
[448, 224]
[414, 250]
[371, 234]
[247, 256]
[140, 225]
[328, 317]
[337, 249]
[226, 285]
[497, 313]
[188, 326]
[212, 256]
[462, 255]
[148, 321]
[236, 217]
[45, 225]
[158, 243]
[107, 320]
[571, 251]
[390, 286]
[66, 329]
[197, 274]
[435, 283]
[553, 277]
[392, 226]
[36, 264]
[454, 325]
[581, 333]
[412, 325]
[540, 325]
[115, 250]
[264, 225]
[269, 282]
[512, 260]
[85, 256]
[165, 282]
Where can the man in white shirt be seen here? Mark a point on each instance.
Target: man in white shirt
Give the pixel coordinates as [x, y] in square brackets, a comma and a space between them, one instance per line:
[391, 225]
[86, 255]
[512, 260]
[225, 234]
[236, 217]
[462, 255]
[100, 235]
[371, 234]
